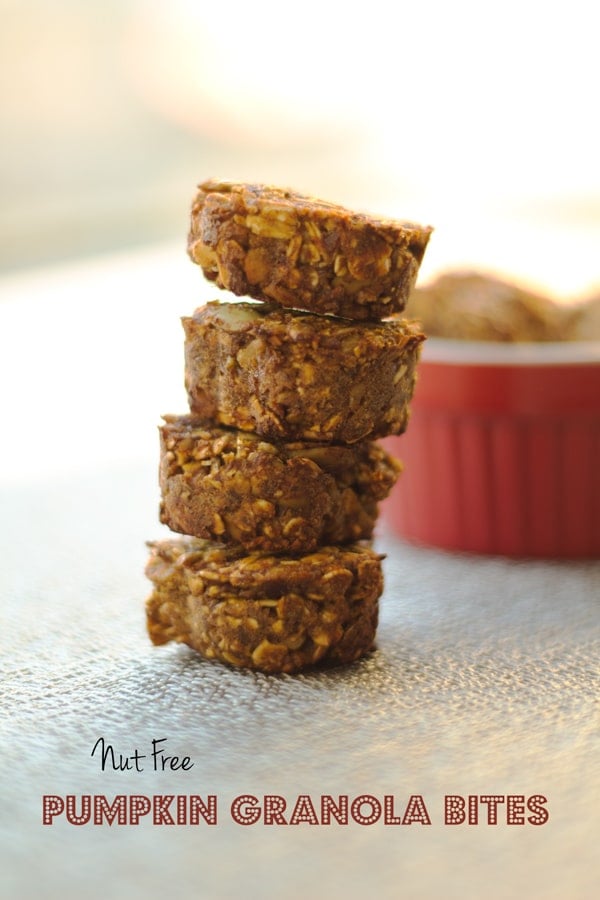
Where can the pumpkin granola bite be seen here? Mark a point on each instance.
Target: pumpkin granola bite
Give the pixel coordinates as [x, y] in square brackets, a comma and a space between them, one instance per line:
[475, 306]
[227, 485]
[270, 613]
[300, 252]
[290, 375]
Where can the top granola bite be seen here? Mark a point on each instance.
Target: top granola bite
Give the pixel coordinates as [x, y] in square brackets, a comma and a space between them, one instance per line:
[273, 244]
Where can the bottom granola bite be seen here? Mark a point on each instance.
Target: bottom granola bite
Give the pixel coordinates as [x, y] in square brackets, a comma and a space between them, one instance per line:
[270, 613]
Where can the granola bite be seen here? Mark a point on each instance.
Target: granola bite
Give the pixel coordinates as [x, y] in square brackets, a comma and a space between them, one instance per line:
[273, 614]
[584, 322]
[291, 375]
[227, 485]
[479, 307]
[300, 252]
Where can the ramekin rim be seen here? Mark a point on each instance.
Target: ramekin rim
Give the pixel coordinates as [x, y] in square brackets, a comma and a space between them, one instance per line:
[494, 353]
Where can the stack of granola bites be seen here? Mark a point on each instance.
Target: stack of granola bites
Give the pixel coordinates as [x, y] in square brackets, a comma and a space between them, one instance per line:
[273, 478]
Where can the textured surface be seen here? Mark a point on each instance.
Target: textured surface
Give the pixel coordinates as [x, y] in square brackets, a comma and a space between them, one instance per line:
[485, 679]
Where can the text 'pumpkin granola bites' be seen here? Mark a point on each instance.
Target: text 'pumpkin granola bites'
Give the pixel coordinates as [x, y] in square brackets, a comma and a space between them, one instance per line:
[292, 375]
[228, 485]
[270, 613]
[300, 252]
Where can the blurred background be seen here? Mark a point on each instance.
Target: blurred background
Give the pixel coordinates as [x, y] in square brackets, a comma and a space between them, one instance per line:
[478, 119]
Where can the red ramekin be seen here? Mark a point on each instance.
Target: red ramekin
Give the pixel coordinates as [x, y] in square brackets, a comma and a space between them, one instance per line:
[502, 451]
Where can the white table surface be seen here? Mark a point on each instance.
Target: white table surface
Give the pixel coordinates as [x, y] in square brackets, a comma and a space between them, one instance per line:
[484, 680]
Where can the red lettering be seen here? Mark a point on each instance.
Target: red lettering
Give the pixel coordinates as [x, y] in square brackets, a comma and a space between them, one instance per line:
[416, 811]
[454, 809]
[473, 810]
[304, 811]
[389, 816]
[208, 810]
[51, 806]
[245, 810]
[492, 801]
[139, 806]
[103, 809]
[329, 808]
[274, 809]
[160, 810]
[86, 809]
[536, 805]
[515, 809]
[357, 813]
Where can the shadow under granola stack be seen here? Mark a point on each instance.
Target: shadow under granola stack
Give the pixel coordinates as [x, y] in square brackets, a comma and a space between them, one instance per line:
[273, 478]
